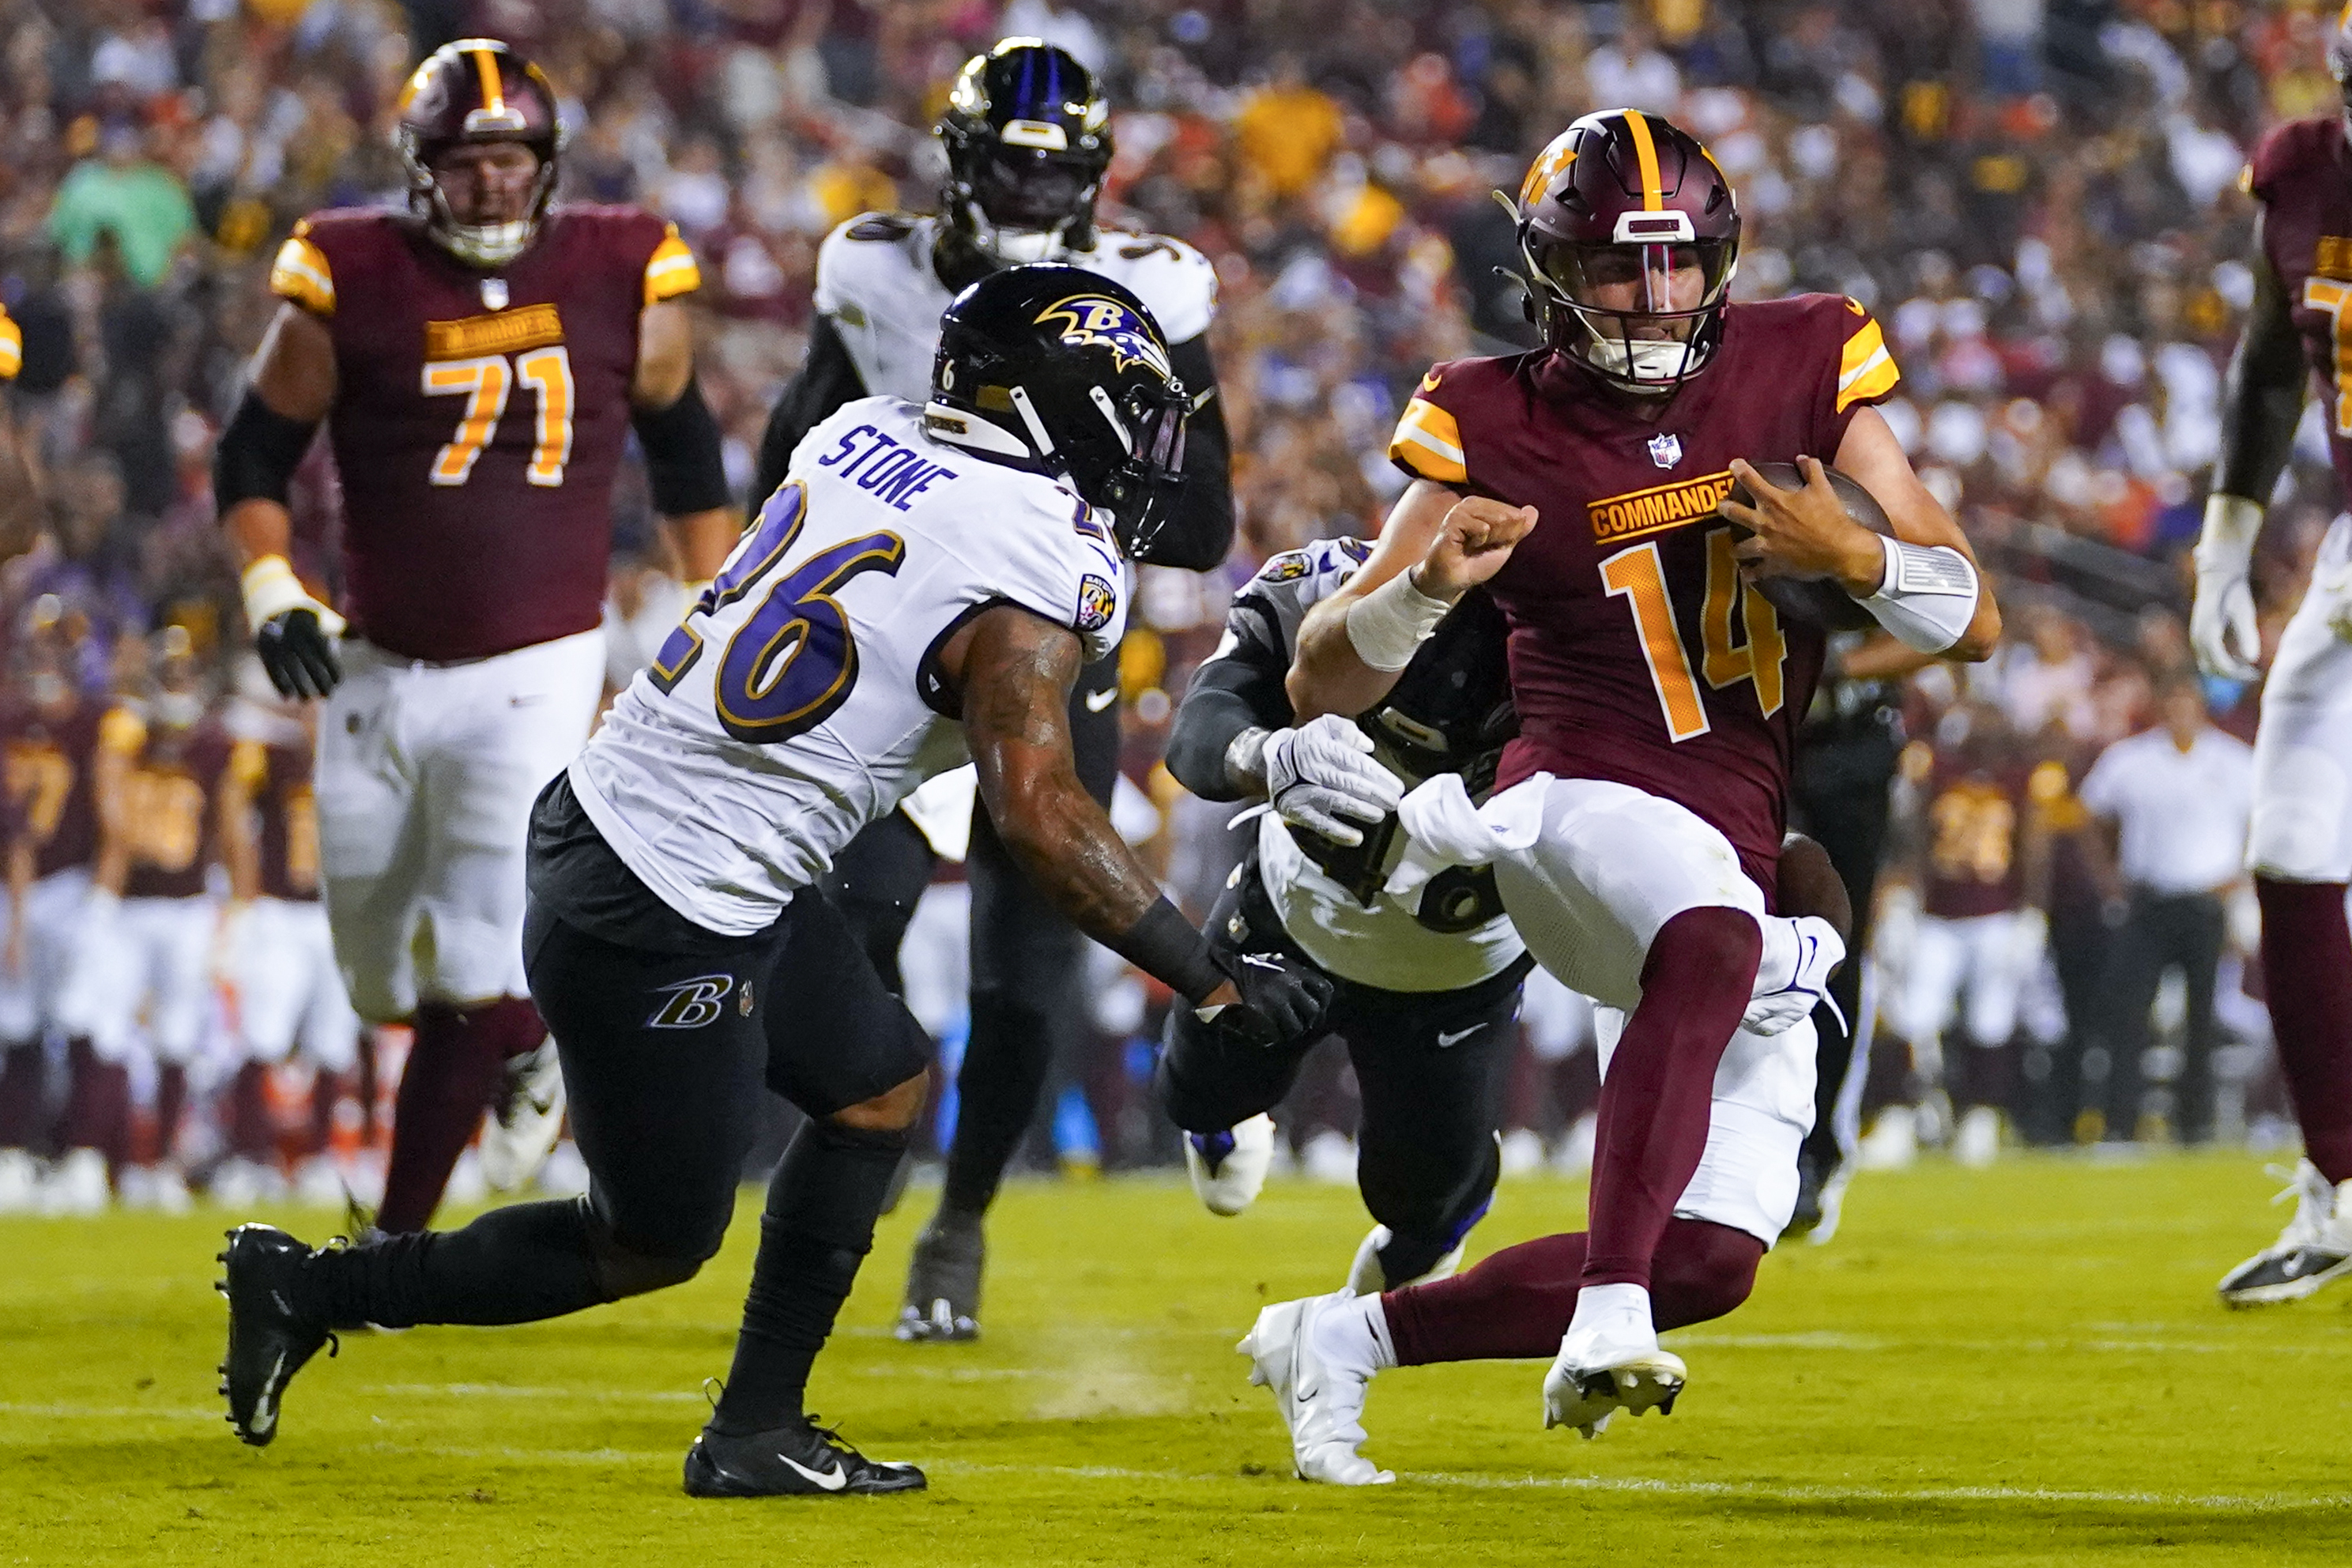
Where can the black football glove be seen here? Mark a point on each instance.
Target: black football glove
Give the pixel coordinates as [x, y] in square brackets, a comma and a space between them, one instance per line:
[1281, 999]
[298, 655]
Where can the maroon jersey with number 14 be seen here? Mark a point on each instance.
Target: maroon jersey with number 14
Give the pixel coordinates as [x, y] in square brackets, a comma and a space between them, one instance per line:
[1636, 654]
[2302, 173]
[479, 417]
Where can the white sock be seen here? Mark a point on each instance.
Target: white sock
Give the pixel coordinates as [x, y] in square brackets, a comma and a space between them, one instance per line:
[1620, 1312]
[1353, 1336]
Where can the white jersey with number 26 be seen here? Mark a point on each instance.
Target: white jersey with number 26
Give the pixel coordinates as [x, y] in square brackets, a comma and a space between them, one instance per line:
[800, 698]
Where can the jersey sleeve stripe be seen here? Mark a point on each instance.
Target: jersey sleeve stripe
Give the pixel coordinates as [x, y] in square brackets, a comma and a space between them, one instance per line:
[671, 271]
[302, 274]
[11, 348]
[1428, 442]
[1866, 369]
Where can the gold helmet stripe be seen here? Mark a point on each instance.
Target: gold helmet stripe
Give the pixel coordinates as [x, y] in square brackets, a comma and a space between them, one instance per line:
[1645, 153]
[493, 91]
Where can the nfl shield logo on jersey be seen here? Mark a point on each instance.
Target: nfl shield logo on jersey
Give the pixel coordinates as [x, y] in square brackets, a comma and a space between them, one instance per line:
[1665, 451]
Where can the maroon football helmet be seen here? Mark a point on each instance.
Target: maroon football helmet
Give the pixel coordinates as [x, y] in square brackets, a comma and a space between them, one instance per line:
[476, 90]
[1622, 197]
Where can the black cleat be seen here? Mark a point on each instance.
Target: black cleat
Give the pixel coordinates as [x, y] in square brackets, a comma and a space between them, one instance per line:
[943, 1281]
[269, 1337]
[803, 1460]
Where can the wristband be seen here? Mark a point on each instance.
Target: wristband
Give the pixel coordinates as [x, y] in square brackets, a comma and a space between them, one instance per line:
[1387, 625]
[271, 589]
[1245, 761]
[2226, 544]
[1164, 945]
[1927, 595]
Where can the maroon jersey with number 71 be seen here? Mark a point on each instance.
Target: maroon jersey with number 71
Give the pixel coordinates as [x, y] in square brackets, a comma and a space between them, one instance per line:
[1636, 654]
[478, 417]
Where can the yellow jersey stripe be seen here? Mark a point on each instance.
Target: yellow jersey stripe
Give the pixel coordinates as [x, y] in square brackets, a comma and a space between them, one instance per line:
[1865, 370]
[1645, 154]
[11, 348]
[494, 91]
[671, 271]
[302, 274]
[1429, 442]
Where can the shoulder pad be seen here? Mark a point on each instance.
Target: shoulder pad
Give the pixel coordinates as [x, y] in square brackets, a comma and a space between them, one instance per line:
[1295, 582]
[1176, 282]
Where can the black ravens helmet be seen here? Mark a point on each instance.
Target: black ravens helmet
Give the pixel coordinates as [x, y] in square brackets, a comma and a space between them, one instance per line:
[476, 90]
[1028, 137]
[1054, 369]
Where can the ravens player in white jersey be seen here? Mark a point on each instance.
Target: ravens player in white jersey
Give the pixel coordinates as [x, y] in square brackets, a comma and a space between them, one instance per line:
[1427, 988]
[924, 589]
[1027, 136]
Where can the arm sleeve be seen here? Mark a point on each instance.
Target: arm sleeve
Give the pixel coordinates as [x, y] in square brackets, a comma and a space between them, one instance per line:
[828, 378]
[1240, 687]
[1202, 532]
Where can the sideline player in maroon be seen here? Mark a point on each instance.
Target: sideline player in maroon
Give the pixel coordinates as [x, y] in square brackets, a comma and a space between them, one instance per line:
[480, 361]
[1658, 695]
[2300, 848]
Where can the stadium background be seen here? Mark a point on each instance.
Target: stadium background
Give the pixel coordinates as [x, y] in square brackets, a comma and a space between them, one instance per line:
[2038, 197]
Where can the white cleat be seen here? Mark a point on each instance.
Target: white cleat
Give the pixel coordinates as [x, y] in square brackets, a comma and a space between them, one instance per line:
[1599, 1372]
[1365, 1276]
[20, 1182]
[2314, 1250]
[1228, 1169]
[1322, 1405]
[521, 1129]
[77, 1186]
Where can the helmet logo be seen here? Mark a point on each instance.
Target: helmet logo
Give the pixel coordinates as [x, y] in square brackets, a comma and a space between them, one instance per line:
[1548, 165]
[1088, 319]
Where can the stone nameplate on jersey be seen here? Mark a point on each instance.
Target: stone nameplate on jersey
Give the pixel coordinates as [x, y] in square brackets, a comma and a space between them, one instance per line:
[883, 468]
[1656, 510]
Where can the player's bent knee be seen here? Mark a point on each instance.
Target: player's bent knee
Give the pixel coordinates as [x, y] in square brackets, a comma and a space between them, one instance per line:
[633, 1267]
[1702, 1271]
[1716, 938]
[893, 1110]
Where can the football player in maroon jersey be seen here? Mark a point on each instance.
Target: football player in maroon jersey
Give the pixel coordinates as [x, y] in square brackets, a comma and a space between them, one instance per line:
[48, 731]
[478, 360]
[2300, 849]
[1587, 485]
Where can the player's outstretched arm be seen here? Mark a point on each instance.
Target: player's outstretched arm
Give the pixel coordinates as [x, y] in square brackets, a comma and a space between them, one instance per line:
[1015, 671]
[292, 388]
[2261, 401]
[1436, 545]
[1234, 694]
[684, 465]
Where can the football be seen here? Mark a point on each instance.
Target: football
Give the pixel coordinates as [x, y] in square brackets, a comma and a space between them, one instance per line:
[1817, 600]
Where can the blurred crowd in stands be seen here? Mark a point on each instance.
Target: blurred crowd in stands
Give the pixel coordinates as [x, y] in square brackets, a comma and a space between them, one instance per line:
[2039, 198]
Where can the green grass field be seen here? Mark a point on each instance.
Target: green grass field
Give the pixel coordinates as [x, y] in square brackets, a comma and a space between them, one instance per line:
[2020, 1365]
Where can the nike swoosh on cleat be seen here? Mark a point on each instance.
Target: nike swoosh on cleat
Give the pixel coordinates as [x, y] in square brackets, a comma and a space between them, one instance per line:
[1098, 700]
[1458, 1035]
[832, 1480]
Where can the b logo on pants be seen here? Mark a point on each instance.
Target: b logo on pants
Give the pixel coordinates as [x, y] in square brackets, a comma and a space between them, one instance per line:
[691, 1004]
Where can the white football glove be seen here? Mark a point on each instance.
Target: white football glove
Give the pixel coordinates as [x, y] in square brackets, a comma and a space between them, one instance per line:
[1322, 777]
[1799, 956]
[2222, 625]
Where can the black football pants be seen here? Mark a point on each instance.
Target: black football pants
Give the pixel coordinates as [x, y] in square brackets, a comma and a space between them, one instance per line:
[1842, 802]
[1431, 1067]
